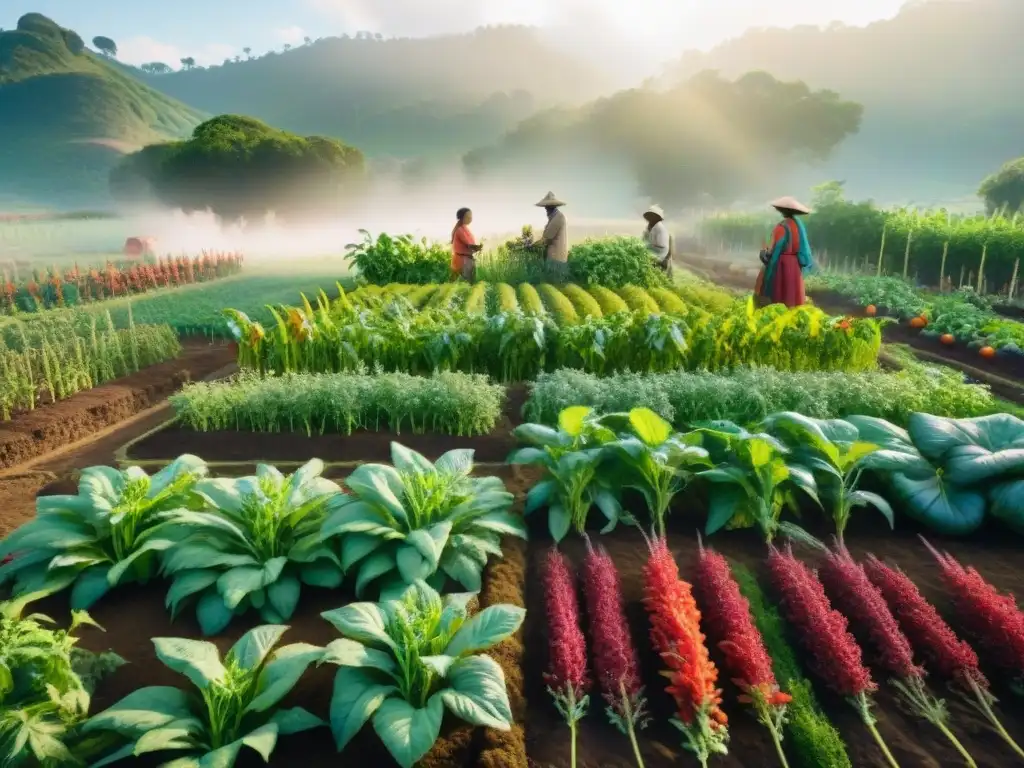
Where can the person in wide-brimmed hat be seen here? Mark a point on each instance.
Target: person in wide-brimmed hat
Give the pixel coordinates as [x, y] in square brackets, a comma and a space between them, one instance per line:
[786, 258]
[658, 240]
[555, 239]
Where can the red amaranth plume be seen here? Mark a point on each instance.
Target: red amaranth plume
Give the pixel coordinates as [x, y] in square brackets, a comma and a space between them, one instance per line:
[567, 648]
[864, 604]
[992, 620]
[727, 617]
[676, 636]
[834, 654]
[615, 657]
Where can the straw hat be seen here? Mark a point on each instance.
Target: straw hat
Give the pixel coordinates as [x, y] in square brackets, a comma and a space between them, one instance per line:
[550, 201]
[790, 204]
[655, 210]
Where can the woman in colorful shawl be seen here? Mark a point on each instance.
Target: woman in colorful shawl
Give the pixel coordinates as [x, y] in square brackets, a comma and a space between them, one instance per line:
[787, 257]
[464, 246]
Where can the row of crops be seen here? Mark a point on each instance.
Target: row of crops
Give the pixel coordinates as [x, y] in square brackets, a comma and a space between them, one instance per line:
[513, 333]
[965, 315]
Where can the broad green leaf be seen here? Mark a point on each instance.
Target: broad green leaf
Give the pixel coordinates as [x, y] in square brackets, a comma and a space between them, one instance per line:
[356, 546]
[869, 499]
[408, 732]
[409, 461]
[943, 507]
[235, 584]
[373, 567]
[255, 645]
[539, 495]
[46, 746]
[187, 583]
[365, 622]
[477, 693]
[354, 517]
[280, 674]
[262, 740]
[559, 521]
[150, 545]
[90, 586]
[321, 573]
[539, 435]
[357, 696]
[972, 464]
[197, 660]
[573, 420]
[222, 493]
[430, 542]
[141, 711]
[224, 757]
[724, 501]
[528, 456]
[370, 482]
[505, 523]
[295, 720]
[486, 629]
[463, 569]
[439, 665]
[176, 735]
[193, 554]
[649, 426]
[283, 595]
[351, 653]
[411, 564]
[456, 463]
[211, 612]
[1007, 504]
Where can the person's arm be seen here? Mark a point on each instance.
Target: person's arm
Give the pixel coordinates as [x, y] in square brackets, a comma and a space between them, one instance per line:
[553, 229]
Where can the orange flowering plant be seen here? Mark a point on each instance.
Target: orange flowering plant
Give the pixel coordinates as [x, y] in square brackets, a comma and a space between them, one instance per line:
[676, 636]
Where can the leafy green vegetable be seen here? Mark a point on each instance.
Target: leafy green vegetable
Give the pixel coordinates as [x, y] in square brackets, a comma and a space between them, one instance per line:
[45, 687]
[570, 456]
[420, 520]
[399, 259]
[833, 452]
[111, 533]
[659, 462]
[402, 663]
[234, 709]
[255, 547]
[753, 482]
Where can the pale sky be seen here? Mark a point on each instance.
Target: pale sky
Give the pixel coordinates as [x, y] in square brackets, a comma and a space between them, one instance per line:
[642, 31]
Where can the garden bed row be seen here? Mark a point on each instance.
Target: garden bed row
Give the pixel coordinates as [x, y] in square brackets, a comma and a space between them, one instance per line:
[34, 433]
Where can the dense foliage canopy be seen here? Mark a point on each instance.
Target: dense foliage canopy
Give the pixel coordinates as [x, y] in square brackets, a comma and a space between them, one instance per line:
[1004, 189]
[709, 137]
[238, 166]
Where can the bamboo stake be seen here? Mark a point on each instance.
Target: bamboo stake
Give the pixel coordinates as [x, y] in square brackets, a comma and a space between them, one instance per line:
[906, 253]
[981, 267]
[962, 268]
[881, 250]
[942, 267]
[1013, 280]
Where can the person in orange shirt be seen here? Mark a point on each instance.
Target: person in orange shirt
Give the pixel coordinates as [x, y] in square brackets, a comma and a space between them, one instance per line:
[464, 246]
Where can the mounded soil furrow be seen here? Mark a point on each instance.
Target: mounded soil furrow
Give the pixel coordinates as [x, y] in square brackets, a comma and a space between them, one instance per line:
[34, 433]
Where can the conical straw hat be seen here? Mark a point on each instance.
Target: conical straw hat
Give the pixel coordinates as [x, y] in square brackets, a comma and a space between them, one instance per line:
[655, 210]
[550, 201]
[790, 204]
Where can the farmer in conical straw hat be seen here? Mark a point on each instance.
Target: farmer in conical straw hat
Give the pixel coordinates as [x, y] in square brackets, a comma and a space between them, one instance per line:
[787, 257]
[555, 239]
[658, 240]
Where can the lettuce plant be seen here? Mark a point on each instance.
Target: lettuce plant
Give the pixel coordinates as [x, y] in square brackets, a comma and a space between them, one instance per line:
[833, 451]
[402, 663]
[658, 461]
[570, 456]
[110, 533]
[256, 545]
[420, 520]
[754, 482]
[45, 686]
[234, 708]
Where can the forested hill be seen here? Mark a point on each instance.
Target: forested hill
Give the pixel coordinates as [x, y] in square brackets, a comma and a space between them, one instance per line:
[940, 84]
[403, 96]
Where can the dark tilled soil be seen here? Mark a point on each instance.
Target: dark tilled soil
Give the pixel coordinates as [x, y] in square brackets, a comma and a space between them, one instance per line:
[360, 446]
[913, 742]
[32, 434]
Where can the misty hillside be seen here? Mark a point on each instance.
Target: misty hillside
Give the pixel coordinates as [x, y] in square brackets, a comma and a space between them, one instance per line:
[66, 115]
[403, 97]
[940, 84]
